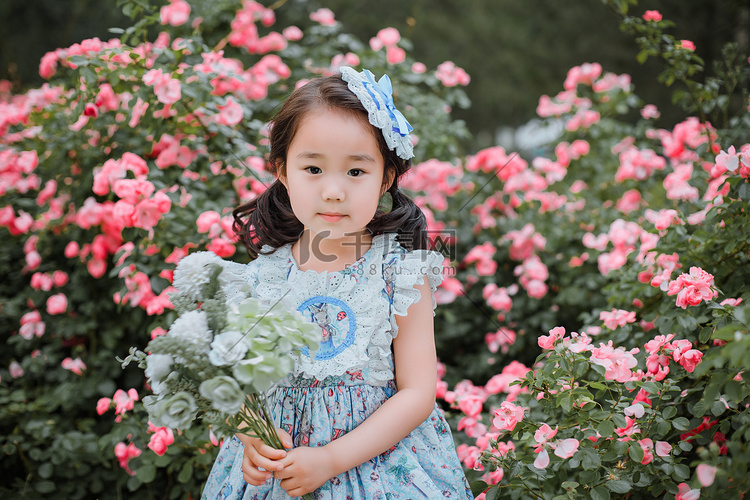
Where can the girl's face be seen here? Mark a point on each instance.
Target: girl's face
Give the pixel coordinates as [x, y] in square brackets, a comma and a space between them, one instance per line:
[334, 174]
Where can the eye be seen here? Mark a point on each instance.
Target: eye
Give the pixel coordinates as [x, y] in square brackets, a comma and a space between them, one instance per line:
[313, 169]
[356, 172]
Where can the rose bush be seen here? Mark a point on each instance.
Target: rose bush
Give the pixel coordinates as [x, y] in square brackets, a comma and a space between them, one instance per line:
[613, 272]
[593, 325]
[131, 157]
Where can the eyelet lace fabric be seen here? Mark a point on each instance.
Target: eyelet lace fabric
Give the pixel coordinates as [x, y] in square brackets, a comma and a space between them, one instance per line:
[356, 307]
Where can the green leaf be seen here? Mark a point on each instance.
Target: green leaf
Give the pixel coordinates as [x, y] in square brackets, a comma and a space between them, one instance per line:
[45, 487]
[478, 487]
[705, 335]
[146, 473]
[717, 408]
[618, 486]
[590, 459]
[681, 423]
[681, 472]
[700, 408]
[599, 493]
[669, 412]
[744, 191]
[186, 473]
[651, 387]
[636, 452]
[606, 428]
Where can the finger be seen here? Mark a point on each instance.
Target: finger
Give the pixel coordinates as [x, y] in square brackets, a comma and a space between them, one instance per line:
[254, 476]
[285, 438]
[269, 452]
[259, 460]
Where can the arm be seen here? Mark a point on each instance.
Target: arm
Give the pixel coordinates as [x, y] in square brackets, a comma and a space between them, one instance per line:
[416, 375]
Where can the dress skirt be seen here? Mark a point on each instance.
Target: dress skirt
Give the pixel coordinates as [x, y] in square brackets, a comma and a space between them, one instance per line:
[423, 465]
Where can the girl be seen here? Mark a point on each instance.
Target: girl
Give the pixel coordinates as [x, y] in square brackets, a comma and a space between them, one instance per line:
[336, 239]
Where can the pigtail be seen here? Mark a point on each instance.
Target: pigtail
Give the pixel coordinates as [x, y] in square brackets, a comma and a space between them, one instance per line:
[267, 220]
[405, 219]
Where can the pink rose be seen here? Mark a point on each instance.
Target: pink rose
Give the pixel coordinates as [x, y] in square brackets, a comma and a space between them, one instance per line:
[75, 365]
[102, 406]
[507, 416]
[685, 493]
[323, 16]
[548, 341]
[160, 439]
[652, 15]
[706, 474]
[176, 13]
[566, 448]
[57, 304]
[687, 45]
[124, 453]
[663, 448]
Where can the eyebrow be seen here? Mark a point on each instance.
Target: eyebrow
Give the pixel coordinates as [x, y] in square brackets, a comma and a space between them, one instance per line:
[356, 157]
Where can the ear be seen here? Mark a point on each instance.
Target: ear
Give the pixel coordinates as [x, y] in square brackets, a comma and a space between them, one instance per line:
[388, 179]
[282, 176]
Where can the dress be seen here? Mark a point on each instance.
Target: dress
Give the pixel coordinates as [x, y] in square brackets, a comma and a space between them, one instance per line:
[349, 377]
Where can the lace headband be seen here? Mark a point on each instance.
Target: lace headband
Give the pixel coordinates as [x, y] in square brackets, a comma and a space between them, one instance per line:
[377, 98]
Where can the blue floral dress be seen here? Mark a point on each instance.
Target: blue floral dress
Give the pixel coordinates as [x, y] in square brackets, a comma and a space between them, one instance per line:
[349, 377]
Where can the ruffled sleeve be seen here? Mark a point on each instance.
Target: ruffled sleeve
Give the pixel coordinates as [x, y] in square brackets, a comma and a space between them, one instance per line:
[407, 269]
[238, 280]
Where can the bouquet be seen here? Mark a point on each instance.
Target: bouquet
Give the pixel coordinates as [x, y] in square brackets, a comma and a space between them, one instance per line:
[222, 353]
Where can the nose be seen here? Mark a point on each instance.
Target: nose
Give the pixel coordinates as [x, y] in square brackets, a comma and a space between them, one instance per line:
[333, 191]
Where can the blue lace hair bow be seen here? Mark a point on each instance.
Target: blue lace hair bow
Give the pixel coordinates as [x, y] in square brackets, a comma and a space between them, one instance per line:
[377, 98]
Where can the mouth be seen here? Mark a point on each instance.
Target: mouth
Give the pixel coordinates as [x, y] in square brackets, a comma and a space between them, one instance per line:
[331, 216]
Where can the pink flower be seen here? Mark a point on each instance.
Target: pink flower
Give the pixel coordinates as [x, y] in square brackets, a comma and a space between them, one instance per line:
[31, 325]
[102, 406]
[471, 405]
[663, 448]
[124, 453]
[566, 448]
[395, 55]
[706, 474]
[548, 341]
[652, 15]
[647, 445]
[90, 110]
[124, 401]
[292, 33]
[230, 113]
[650, 111]
[544, 434]
[389, 36]
[75, 365]
[57, 304]
[161, 438]
[15, 369]
[693, 288]
[507, 416]
[690, 360]
[617, 361]
[542, 459]
[502, 339]
[323, 16]
[687, 45]
[483, 256]
[451, 75]
[685, 493]
[616, 317]
[176, 13]
[497, 298]
[636, 410]
[729, 161]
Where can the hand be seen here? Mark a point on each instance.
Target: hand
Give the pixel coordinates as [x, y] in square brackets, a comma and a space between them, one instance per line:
[258, 454]
[305, 470]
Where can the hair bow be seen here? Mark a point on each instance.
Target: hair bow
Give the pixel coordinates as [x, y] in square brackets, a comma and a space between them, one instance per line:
[384, 89]
[377, 99]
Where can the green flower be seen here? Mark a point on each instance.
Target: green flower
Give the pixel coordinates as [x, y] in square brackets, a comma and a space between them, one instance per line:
[176, 412]
[262, 371]
[224, 392]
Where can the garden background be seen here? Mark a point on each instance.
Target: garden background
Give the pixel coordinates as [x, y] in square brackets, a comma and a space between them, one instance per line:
[593, 329]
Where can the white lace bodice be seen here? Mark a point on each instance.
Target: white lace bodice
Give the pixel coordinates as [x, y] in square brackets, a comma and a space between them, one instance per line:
[356, 308]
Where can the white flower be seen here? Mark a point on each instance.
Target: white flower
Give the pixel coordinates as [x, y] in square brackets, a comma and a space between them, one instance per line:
[193, 273]
[192, 327]
[157, 368]
[227, 348]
